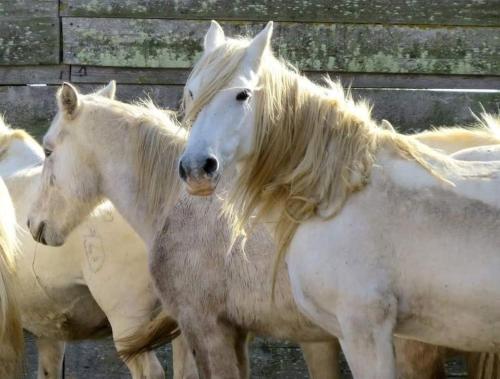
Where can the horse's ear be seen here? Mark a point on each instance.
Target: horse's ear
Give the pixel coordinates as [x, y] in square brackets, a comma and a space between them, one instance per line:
[68, 97]
[214, 37]
[109, 91]
[257, 47]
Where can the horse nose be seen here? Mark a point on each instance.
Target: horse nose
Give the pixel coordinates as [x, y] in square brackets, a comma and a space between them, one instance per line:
[211, 165]
[183, 171]
[28, 224]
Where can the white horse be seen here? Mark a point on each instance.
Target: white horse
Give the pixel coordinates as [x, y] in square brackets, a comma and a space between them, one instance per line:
[243, 298]
[383, 236]
[80, 290]
[11, 334]
[100, 148]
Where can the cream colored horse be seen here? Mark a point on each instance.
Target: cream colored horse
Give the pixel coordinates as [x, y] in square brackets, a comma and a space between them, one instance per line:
[480, 142]
[379, 230]
[11, 334]
[81, 290]
[243, 300]
[101, 148]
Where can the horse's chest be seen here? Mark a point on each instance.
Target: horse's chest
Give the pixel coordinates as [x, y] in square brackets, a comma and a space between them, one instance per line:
[61, 311]
[81, 320]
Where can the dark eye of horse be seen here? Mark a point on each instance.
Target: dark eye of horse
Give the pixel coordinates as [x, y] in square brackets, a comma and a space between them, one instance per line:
[47, 152]
[191, 94]
[243, 95]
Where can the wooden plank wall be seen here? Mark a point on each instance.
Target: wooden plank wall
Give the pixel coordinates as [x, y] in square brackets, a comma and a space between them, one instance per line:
[420, 62]
[401, 54]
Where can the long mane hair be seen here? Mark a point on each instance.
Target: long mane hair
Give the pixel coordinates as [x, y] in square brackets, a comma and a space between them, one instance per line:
[161, 140]
[11, 335]
[313, 145]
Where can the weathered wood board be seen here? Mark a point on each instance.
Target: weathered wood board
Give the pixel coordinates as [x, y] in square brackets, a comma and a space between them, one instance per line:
[421, 12]
[126, 75]
[34, 74]
[139, 75]
[32, 108]
[29, 40]
[25, 8]
[320, 47]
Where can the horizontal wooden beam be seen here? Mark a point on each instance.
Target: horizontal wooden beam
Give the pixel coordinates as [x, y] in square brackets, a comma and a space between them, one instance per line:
[319, 47]
[29, 8]
[416, 12]
[21, 75]
[32, 108]
[29, 40]
[126, 75]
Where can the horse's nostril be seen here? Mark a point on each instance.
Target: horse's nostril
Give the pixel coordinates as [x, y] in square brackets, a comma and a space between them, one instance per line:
[39, 233]
[211, 165]
[182, 171]
[28, 224]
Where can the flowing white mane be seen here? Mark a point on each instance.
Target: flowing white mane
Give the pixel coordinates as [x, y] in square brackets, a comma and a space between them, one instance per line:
[11, 338]
[314, 145]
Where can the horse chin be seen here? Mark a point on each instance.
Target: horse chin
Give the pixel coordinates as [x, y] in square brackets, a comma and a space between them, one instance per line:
[200, 188]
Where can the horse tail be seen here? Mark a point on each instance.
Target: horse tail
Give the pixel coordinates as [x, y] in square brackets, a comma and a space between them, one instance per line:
[11, 333]
[3, 123]
[159, 331]
[491, 122]
[483, 365]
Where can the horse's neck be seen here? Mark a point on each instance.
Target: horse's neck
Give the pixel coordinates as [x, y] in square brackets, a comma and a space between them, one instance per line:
[120, 184]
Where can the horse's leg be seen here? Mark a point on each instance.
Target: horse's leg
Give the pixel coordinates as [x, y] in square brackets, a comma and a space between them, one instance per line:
[483, 365]
[418, 360]
[184, 365]
[50, 358]
[144, 365]
[241, 347]
[366, 329]
[322, 359]
[213, 345]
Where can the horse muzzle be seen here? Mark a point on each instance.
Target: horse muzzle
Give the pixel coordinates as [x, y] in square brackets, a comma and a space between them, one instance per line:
[200, 175]
[204, 187]
[41, 235]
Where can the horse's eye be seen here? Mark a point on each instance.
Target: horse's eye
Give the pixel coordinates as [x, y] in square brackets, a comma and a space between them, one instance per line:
[243, 95]
[47, 152]
[191, 94]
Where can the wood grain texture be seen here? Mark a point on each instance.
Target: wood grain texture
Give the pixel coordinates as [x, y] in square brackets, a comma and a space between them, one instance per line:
[29, 40]
[319, 47]
[26, 8]
[126, 75]
[32, 108]
[34, 74]
[420, 12]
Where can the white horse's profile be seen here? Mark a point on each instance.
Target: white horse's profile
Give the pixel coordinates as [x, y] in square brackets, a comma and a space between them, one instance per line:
[11, 333]
[383, 235]
[80, 290]
[101, 148]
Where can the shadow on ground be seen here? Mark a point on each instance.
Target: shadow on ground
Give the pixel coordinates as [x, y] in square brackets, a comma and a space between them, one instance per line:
[273, 360]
